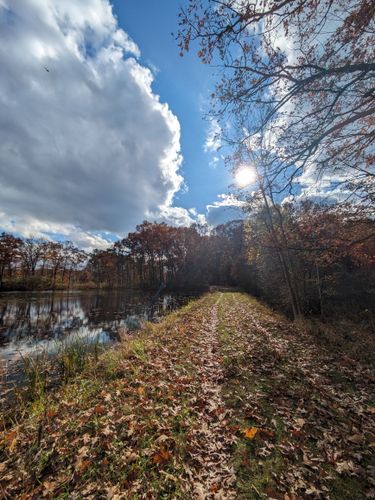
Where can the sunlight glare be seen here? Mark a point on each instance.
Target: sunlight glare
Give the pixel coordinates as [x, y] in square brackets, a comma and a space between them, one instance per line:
[245, 176]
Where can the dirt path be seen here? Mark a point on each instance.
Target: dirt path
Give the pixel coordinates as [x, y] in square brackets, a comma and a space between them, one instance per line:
[214, 477]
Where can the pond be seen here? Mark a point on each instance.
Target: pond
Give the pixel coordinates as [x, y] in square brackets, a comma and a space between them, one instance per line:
[41, 321]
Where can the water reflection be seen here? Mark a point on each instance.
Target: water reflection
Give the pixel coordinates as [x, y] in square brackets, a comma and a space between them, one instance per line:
[35, 321]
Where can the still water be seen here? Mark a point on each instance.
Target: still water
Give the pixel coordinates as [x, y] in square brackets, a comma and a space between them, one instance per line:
[31, 322]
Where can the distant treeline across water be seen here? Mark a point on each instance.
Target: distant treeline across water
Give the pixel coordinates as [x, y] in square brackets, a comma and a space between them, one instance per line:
[303, 258]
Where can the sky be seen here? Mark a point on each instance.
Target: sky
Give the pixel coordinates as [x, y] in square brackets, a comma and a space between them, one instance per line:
[102, 122]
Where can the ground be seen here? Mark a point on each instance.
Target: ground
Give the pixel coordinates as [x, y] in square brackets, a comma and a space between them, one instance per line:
[223, 399]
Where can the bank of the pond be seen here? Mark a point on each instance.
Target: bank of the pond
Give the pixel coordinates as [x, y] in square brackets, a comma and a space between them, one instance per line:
[43, 321]
[221, 399]
[47, 338]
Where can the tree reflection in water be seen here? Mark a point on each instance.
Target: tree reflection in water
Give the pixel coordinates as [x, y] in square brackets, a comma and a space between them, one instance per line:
[40, 320]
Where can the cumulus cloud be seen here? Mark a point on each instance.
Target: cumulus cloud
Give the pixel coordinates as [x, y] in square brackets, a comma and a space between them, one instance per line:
[29, 227]
[175, 216]
[225, 209]
[86, 146]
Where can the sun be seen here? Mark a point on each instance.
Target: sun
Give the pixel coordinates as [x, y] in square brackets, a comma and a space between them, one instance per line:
[245, 176]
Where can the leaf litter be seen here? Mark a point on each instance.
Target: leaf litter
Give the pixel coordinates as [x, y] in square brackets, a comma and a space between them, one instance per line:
[223, 399]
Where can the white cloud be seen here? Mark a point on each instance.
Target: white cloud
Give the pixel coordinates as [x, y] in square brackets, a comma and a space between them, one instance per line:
[214, 162]
[175, 216]
[28, 227]
[86, 146]
[213, 137]
[323, 186]
[225, 209]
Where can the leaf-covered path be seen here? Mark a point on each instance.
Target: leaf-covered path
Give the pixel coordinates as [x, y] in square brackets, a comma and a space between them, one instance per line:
[312, 409]
[223, 399]
[215, 476]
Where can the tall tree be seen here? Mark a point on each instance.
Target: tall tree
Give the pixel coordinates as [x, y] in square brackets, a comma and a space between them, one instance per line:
[9, 253]
[310, 65]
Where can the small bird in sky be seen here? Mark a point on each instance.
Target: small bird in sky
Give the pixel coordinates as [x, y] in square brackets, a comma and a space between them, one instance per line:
[45, 67]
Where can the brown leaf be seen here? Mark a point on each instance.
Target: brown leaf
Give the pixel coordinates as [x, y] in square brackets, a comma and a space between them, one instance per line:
[130, 457]
[345, 467]
[299, 423]
[83, 465]
[356, 438]
[49, 487]
[141, 390]
[266, 433]
[99, 410]
[162, 456]
[10, 440]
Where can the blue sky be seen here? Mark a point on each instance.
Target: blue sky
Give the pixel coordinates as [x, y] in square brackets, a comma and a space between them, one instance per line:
[102, 122]
[186, 84]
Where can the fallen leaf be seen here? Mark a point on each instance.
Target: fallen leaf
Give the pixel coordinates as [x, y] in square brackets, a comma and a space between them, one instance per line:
[344, 467]
[162, 456]
[300, 422]
[49, 487]
[356, 438]
[10, 440]
[51, 413]
[83, 465]
[99, 410]
[141, 390]
[162, 438]
[266, 433]
[250, 433]
[130, 457]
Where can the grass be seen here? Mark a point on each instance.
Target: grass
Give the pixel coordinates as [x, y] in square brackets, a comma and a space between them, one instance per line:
[267, 364]
[35, 369]
[353, 338]
[254, 477]
[41, 373]
[133, 418]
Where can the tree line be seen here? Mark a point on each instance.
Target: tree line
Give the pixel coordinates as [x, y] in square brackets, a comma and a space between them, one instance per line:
[154, 255]
[303, 258]
[311, 258]
[34, 263]
[158, 255]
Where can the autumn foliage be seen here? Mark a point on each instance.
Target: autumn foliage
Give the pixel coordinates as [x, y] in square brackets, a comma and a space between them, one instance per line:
[329, 252]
